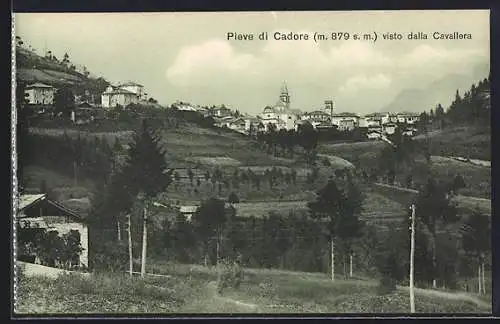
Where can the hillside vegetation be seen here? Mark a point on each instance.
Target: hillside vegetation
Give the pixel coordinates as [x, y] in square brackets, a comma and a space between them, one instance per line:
[32, 68]
[191, 289]
[287, 200]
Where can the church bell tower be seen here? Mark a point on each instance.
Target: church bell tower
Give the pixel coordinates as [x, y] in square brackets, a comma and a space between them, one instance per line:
[284, 95]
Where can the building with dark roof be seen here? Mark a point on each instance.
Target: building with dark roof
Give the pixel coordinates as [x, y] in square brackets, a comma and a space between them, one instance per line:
[39, 94]
[37, 212]
[114, 96]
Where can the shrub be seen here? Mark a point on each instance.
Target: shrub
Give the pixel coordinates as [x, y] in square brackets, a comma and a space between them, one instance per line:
[386, 285]
[110, 257]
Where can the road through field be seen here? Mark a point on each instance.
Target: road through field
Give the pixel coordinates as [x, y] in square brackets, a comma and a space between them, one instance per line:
[448, 295]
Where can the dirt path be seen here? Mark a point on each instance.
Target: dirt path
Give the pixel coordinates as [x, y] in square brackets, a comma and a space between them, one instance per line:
[478, 199]
[448, 295]
[228, 302]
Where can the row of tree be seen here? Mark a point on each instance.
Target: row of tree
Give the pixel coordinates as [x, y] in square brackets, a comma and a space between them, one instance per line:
[80, 157]
[473, 107]
[332, 230]
[334, 222]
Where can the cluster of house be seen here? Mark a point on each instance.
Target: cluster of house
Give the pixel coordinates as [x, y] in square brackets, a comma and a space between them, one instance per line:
[282, 116]
[43, 95]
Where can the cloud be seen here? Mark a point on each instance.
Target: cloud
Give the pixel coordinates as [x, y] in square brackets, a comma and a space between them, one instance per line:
[360, 83]
[360, 54]
[427, 55]
[207, 59]
[300, 58]
[352, 72]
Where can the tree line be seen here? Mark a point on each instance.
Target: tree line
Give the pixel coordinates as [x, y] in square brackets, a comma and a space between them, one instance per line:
[78, 158]
[473, 107]
[331, 227]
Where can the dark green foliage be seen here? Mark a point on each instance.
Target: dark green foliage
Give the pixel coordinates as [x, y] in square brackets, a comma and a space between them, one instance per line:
[109, 257]
[233, 198]
[146, 168]
[64, 102]
[433, 206]
[53, 249]
[457, 183]
[74, 157]
[339, 205]
[476, 235]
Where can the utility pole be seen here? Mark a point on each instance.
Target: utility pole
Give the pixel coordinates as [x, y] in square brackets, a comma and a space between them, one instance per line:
[130, 260]
[119, 231]
[332, 252]
[350, 265]
[412, 260]
[144, 241]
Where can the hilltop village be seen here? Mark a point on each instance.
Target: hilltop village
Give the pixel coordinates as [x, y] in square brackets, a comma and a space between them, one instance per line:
[279, 116]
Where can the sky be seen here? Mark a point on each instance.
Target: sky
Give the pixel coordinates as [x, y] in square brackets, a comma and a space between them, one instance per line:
[187, 56]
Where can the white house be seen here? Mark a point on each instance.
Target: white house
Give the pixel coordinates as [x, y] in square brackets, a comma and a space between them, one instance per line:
[36, 212]
[345, 120]
[237, 124]
[408, 118]
[373, 135]
[363, 122]
[188, 211]
[344, 116]
[113, 97]
[347, 125]
[316, 116]
[390, 128]
[133, 87]
[40, 94]
[387, 118]
[183, 106]
[220, 111]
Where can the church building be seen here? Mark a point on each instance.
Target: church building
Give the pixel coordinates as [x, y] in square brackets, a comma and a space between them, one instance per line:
[280, 115]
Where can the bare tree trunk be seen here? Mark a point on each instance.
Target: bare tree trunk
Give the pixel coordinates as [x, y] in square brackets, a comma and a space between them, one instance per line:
[350, 266]
[130, 260]
[144, 242]
[332, 255]
[412, 260]
[483, 279]
[119, 233]
[346, 267]
[434, 260]
[218, 249]
[479, 280]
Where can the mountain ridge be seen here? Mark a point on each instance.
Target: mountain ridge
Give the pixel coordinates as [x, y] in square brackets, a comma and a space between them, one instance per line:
[441, 91]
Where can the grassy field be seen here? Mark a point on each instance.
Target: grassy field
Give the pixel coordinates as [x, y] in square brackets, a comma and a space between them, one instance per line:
[467, 141]
[352, 151]
[405, 196]
[191, 289]
[63, 186]
[477, 178]
[204, 149]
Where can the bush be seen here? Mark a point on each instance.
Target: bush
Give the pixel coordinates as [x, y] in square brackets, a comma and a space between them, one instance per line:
[386, 285]
[110, 257]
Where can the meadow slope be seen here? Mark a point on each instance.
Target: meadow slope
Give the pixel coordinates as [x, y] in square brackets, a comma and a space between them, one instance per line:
[191, 289]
